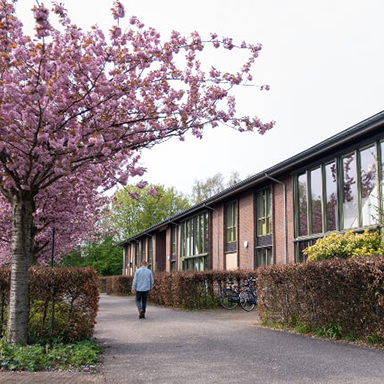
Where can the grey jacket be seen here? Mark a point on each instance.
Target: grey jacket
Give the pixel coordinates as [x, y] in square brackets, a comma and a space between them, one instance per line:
[143, 280]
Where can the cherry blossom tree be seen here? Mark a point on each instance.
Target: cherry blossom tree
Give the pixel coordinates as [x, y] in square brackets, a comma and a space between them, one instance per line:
[76, 108]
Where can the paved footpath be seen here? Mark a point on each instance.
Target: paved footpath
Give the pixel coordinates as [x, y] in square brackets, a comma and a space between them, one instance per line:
[211, 347]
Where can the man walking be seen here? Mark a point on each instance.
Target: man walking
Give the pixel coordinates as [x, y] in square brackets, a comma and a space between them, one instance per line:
[141, 285]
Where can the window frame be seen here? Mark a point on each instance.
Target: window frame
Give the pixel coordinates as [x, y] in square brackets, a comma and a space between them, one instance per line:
[339, 162]
[266, 200]
[194, 234]
[231, 225]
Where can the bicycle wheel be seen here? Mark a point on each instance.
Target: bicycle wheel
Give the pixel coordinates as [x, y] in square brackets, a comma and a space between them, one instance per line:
[229, 299]
[247, 301]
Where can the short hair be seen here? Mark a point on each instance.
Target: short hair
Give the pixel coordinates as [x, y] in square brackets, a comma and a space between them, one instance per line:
[144, 263]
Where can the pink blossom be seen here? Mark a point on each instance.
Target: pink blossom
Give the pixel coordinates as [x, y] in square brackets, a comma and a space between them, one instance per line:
[141, 184]
[77, 109]
[118, 11]
[152, 192]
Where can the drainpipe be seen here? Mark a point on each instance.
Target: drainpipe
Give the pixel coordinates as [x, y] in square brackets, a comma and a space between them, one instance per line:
[285, 216]
[217, 235]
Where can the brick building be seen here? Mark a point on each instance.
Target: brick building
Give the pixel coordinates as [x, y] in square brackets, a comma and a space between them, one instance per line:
[269, 218]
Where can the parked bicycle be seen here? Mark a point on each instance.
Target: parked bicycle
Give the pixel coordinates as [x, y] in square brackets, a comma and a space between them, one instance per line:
[248, 296]
[229, 297]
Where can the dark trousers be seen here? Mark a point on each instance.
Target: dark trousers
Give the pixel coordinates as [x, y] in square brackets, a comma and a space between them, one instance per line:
[141, 300]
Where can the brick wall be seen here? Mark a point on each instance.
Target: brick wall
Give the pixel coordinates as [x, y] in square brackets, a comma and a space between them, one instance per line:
[216, 244]
[246, 230]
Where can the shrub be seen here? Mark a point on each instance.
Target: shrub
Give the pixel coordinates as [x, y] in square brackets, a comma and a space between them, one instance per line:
[63, 302]
[118, 285]
[345, 246]
[189, 289]
[338, 297]
[80, 355]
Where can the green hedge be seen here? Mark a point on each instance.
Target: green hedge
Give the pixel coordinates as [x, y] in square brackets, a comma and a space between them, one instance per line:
[348, 293]
[63, 302]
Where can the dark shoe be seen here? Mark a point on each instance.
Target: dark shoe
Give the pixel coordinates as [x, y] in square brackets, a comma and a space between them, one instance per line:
[141, 316]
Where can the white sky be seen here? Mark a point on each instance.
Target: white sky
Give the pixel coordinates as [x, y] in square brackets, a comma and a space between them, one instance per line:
[324, 61]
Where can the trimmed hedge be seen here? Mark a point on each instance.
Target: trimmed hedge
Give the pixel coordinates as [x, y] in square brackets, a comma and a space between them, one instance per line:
[348, 293]
[63, 302]
[118, 285]
[193, 289]
[180, 289]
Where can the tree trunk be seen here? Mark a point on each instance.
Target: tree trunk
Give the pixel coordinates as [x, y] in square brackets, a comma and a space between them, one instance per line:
[22, 224]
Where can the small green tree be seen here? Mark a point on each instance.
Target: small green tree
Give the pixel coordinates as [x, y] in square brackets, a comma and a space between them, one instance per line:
[346, 246]
[204, 189]
[103, 255]
[135, 209]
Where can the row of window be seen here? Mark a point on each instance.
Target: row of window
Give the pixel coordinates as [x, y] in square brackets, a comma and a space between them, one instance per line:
[341, 194]
[194, 234]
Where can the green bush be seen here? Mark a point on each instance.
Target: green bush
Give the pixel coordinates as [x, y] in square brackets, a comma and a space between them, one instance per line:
[346, 246]
[82, 355]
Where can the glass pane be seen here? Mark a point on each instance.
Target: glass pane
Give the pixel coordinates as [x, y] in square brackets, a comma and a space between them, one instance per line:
[263, 213]
[382, 176]
[260, 258]
[173, 241]
[350, 192]
[231, 222]
[331, 196]
[196, 233]
[183, 240]
[369, 193]
[316, 192]
[260, 204]
[303, 209]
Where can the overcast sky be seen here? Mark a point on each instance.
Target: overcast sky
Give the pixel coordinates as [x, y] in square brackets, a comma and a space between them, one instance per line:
[324, 61]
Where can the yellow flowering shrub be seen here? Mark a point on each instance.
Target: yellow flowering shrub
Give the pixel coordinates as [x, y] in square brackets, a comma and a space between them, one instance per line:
[346, 246]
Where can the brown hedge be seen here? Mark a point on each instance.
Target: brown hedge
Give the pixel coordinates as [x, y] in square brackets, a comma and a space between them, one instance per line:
[349, 293]
[63, 301]
[181, 289]
[118, 285]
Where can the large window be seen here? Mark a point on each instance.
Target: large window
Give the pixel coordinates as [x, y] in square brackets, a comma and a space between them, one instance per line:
[360, 192]
[316, 201]
[369, 190]
[340, 195]
[231, 226]
[349, 192]
[194, 242]
[263, 212]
